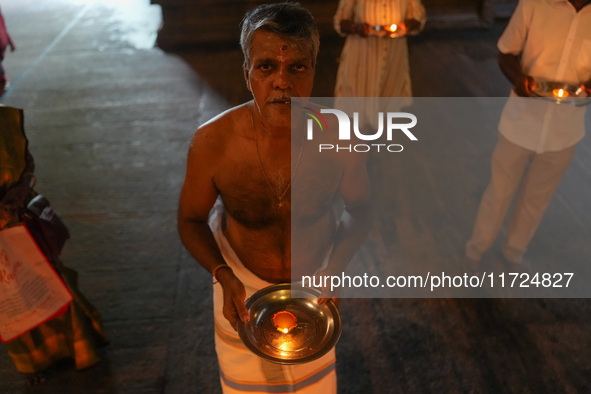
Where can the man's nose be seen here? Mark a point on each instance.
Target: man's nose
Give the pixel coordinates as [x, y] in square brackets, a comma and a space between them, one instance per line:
[282, 79]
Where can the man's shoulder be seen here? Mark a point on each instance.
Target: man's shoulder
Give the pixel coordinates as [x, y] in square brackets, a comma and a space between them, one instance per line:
[227, 124]
[528, 6]
[538, 3]
[214, 136]
[227, 120]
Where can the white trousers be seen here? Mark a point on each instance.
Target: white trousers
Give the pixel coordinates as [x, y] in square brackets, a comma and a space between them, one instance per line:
[534, 177]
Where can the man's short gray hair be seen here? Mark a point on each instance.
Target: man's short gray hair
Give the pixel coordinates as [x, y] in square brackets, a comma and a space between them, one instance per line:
[288, 20]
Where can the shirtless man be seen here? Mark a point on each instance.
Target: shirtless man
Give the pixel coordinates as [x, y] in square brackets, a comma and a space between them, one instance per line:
[243, 157]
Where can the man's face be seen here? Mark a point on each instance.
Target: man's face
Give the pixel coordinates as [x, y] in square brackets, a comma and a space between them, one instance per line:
[277, 71]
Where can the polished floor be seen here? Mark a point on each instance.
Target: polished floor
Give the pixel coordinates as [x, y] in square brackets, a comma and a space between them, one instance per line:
[109, 118]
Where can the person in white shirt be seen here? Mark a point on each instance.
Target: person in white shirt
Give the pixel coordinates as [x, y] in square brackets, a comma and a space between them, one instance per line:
[545, 40]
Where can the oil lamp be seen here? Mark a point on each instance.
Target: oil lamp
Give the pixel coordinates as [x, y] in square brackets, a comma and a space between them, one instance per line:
[392, 28]
[391, 31]
[284, 321]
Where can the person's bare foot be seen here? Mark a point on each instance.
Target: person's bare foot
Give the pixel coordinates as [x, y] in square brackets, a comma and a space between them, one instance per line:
[33, 379]
[4, 84]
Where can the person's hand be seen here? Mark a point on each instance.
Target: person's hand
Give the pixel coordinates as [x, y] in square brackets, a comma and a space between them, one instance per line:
[412, 26]
[350, 27]
[324, 300]
[524, 86]
[326, 293]
[234, 297]
[587, 86]
[11, 44]
[362, 29]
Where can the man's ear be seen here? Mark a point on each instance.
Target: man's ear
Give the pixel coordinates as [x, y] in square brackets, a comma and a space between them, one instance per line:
[246, 78]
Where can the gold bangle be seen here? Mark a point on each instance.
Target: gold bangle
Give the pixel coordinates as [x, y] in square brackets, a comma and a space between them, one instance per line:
[219, 267]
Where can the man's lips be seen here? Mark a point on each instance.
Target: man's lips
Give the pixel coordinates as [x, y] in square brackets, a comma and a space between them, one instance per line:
[280, 100]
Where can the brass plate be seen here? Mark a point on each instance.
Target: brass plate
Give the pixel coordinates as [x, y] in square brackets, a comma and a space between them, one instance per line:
[383, 31]
[318, 326]
[576, 94]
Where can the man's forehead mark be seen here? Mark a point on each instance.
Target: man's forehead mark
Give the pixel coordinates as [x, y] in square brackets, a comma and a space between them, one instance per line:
[283, 47]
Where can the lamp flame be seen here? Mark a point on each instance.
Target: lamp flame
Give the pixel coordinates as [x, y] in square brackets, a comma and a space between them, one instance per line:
[284, 321]
[560, 93]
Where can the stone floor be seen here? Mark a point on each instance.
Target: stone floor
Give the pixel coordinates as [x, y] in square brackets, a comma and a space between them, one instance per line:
[109, 118]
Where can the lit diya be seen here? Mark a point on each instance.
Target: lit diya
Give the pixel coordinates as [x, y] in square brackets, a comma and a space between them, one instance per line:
[288, 326]
[284, 321]
[392, 30]
[560, 93]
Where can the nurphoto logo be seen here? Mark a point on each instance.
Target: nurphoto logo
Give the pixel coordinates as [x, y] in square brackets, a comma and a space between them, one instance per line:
[393, 127]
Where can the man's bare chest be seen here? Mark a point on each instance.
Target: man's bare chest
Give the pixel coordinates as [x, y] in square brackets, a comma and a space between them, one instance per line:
[249, 198]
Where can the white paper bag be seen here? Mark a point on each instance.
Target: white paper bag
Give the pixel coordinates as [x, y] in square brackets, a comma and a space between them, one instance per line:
[31, 291]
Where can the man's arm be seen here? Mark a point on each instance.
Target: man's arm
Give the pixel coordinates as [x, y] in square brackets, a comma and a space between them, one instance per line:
[198, 196]
[522, 83]
[350, 27]
[356, 219]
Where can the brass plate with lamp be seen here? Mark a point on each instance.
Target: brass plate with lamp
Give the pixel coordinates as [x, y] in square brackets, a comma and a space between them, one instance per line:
[561, 92]
[288, 326]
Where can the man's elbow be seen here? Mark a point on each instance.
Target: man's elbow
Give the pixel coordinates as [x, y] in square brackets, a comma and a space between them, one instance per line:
[183, 223]
[362, 213]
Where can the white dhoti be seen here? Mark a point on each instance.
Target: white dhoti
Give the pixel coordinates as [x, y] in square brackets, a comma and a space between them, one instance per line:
[241, 371]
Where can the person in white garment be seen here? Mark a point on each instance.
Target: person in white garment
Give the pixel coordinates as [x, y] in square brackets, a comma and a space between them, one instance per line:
[372, 63]
[242, 160]
[545, 40]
